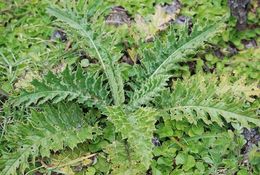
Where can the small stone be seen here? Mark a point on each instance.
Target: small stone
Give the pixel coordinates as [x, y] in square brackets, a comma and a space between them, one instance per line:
[156, 141]
[218, 53]
[118, 16]
[182, 20]
[232, 50]
[173, 8]
[59, 34]
[84, 63]
[127, 59]
[249, 43]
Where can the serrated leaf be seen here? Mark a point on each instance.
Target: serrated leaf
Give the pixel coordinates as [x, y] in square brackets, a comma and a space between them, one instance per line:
[50, 130]
[163, 55]
[137, 127]
[84, 88]
[239, 88]
[198, 98]
[194, 41]
[148, 90]
[112, 72]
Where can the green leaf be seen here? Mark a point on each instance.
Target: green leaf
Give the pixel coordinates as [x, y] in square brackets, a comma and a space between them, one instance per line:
[149, 89]
[189, 163]
[102, 165]
[242, 172]
[166, 130]
[164, 55]
[90, 171]
[180, 159]
[84, 88]
[200, 166]
[112, 71]
[53, 129]
[198, 98]
[157, 68]
[165, 161]
[122, 160]
[137, 127]
[155, 171]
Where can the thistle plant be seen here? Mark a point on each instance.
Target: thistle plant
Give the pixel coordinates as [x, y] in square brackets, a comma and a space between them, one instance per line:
[64, 104]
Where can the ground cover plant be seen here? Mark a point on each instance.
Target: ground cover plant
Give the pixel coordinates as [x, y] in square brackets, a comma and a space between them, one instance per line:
[129, 87]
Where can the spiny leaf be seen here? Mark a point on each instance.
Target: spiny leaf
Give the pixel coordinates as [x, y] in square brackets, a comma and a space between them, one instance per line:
[163, 55]
[65, 164]
[84, 88]
[194, 41]
[137, 127]
[113, 74]
[239, 88]
[149, 89]
[53, 129]
[157, 68]
[122, 160]
[198, 98]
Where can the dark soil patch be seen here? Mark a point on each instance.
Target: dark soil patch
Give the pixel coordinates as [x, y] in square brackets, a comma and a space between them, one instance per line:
[118, 16]
[59, 34]
[252, 137]
[239, 9]
[3, 96]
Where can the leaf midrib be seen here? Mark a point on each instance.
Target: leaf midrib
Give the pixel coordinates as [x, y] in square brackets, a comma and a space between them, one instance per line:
[182, 47]
[29, 147]
[253, 120]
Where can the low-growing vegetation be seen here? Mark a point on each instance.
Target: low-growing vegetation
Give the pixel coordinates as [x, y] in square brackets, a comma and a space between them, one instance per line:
[151, 87]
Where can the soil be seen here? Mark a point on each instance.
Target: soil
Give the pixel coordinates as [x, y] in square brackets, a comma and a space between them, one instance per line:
[59, 34]
[252, 137]
[3, 96]
[239, 9]
[118, 16]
